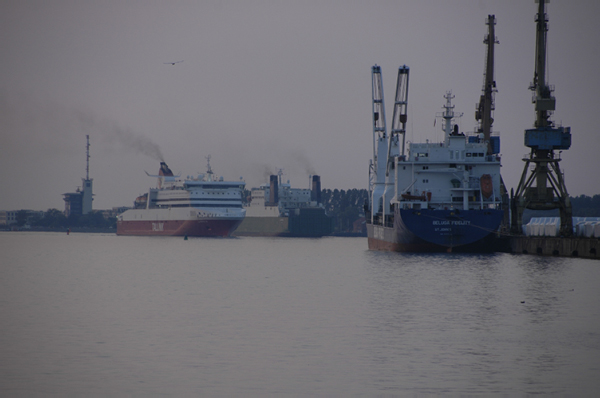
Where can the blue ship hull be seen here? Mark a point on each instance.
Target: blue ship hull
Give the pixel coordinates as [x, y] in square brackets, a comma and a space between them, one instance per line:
[437, 230]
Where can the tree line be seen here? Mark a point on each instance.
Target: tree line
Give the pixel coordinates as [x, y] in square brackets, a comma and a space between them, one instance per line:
[585, 206]
[56, 219]
[345, 206]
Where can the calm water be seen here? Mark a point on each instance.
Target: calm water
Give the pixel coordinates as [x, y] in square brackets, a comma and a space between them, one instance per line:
[106, 315]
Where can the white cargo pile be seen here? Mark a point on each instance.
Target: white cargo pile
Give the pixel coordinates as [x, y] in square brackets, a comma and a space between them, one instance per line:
[588, 227]
[542, 226]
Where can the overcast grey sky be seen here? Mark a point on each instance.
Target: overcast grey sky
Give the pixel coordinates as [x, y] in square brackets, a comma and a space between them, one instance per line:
[267, 85]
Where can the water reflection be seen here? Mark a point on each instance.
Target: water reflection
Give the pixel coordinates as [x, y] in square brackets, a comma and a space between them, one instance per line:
[260, 317]
[481, 319]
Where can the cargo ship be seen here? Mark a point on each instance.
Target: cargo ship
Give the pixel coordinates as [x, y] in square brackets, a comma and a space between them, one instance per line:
[194, 206]
[442, 196]
[277, 209]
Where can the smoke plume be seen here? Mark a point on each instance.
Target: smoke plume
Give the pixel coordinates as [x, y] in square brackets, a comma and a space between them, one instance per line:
[303, 161]
[126, 137]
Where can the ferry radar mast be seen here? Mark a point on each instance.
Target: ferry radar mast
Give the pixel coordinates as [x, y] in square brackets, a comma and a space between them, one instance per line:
[543, 139]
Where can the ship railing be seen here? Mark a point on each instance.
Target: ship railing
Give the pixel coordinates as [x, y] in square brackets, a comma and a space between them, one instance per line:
[389, 220]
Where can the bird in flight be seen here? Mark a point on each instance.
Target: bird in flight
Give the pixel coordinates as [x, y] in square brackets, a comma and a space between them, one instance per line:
[173, 63]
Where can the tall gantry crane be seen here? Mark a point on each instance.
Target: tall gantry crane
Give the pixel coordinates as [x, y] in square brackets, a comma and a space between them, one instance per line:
[485, 108]
[484, 112]
[545, 188]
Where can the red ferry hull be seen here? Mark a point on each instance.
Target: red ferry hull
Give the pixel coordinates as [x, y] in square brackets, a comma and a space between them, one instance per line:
[178, 227]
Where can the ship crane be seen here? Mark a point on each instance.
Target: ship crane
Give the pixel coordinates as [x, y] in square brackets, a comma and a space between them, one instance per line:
[393, 144]
[545, 188]
[380, 143]
[386, 148]
[398, 118]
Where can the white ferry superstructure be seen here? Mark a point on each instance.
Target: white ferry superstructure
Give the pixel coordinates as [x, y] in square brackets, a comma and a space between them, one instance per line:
[200, 206]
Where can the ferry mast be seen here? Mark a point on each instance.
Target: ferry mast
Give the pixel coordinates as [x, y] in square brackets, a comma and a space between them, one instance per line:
[533, 192]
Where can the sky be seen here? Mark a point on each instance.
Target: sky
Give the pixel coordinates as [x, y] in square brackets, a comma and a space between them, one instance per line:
[269, 85]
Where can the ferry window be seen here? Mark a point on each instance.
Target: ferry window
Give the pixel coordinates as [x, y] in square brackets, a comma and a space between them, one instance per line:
[452, 165]
[468, 154]
[425, 181]
[425, 167]
[451, 154]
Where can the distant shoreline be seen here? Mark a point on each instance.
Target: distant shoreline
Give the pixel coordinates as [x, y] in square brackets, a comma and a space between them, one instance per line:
[114, 231]
[63, 230]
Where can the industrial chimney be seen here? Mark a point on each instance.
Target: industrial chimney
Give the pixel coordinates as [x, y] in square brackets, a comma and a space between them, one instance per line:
[315, 194]
[274, 191]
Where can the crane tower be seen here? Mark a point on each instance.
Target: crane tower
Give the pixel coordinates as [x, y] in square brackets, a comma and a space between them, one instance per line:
[87, 196]
[544, 188]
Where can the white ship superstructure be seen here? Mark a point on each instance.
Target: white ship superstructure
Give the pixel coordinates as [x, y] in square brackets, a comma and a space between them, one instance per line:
[195, 206]
[454, 174]
[277, 209]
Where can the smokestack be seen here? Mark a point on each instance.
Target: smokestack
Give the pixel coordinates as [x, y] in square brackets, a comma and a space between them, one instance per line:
[315, 194]
[165, 170]
[274, 194]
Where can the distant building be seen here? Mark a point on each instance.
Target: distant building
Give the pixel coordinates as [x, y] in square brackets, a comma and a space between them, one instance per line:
[9, 217]
[86, 196]
[80, 202]
[115, 211]
[73, 203]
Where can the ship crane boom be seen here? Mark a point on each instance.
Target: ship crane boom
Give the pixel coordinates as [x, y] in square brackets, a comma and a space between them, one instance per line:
[399, 117]
[380, 142]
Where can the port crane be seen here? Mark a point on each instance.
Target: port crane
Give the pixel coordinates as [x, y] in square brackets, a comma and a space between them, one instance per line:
[544, 188]
[485, 107]
[484, 113]
[386, 147]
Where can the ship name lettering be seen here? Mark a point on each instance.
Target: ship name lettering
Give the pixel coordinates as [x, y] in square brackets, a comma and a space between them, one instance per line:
[157, 226]
[465, 222]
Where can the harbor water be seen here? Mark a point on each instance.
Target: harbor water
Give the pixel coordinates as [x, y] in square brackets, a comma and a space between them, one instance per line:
[115, 315]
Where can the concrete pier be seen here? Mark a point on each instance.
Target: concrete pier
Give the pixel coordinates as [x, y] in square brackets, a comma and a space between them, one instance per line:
[551, 246]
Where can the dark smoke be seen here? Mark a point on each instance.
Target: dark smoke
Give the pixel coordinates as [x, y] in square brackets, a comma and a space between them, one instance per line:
[304, 162]
[268, 171]
[128, 138]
